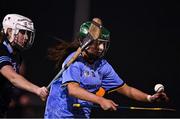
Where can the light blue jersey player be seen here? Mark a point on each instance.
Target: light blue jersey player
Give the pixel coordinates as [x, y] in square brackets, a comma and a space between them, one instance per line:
[91, 72]
[87, 79]
[90, 77]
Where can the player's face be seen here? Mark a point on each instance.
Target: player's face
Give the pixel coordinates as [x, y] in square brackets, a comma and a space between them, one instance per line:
[96, 48]
[22, 38]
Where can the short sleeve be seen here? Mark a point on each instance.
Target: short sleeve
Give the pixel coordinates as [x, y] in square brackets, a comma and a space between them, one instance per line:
[71, 74]
[4, 58]
[110, 80]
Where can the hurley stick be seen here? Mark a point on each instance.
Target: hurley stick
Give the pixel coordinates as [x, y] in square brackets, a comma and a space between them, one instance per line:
[94, 32]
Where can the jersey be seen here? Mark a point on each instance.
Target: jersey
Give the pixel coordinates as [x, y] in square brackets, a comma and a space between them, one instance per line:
[90, 77]
[7, 58]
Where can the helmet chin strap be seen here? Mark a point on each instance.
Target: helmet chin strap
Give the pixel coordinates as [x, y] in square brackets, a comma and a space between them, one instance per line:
[16, 46]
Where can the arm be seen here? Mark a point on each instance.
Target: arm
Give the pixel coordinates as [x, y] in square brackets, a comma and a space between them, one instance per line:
[138, 95]
[20, 82]
[133, 93]
[75, 90]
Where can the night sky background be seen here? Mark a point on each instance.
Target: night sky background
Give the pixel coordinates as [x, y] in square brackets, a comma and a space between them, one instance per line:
[144, 47]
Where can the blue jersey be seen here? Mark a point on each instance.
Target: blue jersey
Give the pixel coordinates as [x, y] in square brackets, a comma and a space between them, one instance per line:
[90, 77]
[7, 58]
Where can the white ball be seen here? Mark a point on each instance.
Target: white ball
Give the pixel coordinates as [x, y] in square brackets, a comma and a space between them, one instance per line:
[158, 88]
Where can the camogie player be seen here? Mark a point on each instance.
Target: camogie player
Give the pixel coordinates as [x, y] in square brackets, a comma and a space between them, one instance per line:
[87, 79]
[17, 34]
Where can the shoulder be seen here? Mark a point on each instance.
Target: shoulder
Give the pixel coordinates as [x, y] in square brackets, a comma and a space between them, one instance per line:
[68, 58]
[104, 66]
[102, 63]
[3, 50]
[78, 61]
[5, 56]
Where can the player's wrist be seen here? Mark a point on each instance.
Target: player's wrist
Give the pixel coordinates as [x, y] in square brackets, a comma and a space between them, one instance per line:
[149, 98]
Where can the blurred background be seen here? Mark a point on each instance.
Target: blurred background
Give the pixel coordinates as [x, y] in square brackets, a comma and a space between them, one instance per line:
[144, 48]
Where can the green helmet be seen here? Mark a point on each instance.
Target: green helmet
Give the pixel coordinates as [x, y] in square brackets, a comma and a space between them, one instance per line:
[84, 28]
[104, 35]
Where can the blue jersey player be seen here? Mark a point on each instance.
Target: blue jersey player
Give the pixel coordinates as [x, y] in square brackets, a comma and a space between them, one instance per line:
[87, 79]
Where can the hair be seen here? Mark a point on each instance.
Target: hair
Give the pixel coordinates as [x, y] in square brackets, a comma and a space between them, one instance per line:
[1, 37]
[58, 52]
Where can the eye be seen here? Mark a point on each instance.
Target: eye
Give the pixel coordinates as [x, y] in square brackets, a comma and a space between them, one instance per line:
[22, 31]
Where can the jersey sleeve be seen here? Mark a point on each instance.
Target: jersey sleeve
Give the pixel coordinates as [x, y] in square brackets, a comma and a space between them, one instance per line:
[111, 80]
[71, 74]
[4, 58]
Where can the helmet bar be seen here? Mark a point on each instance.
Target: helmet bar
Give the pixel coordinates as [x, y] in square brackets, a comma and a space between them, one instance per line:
[24, 27]
[99, 39]
[97, 24]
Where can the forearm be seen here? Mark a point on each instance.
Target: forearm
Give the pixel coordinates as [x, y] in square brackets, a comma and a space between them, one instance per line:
[78, 92]
[20, 82]
[138, 95]
[133, 93]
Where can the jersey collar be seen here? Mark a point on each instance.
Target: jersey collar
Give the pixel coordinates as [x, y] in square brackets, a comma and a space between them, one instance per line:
[6, 43]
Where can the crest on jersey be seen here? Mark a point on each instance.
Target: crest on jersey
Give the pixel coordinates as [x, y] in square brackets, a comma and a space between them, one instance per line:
[89, 73]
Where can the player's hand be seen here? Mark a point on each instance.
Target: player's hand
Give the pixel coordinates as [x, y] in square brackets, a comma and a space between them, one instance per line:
[107, 104]
[43, 93]
[159, 97]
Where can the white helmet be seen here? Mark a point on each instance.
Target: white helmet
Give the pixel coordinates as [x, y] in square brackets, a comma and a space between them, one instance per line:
[18, 22]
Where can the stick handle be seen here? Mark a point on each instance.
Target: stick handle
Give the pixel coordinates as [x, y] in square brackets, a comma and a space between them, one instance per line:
[65, 67]
[74, 57]
[152, 108]
[124, 107]
[55, 78]
[94, 32]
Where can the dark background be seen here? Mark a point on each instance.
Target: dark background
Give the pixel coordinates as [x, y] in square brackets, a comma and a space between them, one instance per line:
[144, 47]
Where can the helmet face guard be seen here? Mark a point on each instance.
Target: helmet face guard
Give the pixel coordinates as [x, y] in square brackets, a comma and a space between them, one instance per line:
[29, 36]
[104, 36]
[19, 24]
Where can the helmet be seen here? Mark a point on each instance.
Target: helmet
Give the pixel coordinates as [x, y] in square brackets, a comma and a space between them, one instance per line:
[104, 35]
[84, 28]
[18, 22]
